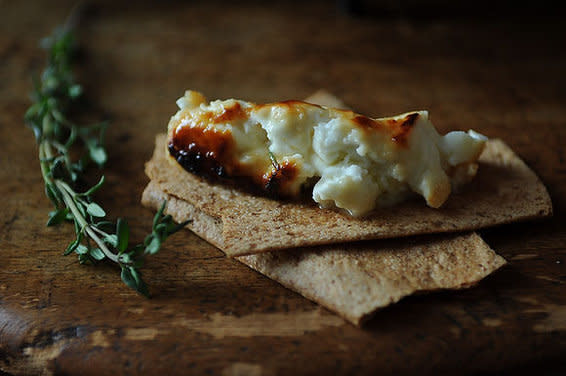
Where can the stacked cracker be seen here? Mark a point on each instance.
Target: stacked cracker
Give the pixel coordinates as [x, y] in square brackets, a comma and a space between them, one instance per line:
[336, 260]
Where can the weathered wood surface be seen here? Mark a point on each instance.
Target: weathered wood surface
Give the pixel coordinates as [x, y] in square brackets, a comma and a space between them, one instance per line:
[211, 314]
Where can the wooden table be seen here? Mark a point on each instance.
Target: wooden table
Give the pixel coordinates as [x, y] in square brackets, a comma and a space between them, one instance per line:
[504, 77]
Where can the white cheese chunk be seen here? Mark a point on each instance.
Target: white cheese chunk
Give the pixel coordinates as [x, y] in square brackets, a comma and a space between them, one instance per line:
[358, 163]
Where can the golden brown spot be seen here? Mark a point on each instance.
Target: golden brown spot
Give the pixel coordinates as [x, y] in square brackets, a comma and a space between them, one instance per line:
[291, 105]
[402, 128]
[229, 114]
[399, 129]
[296, 103]
[367, 122]
[278, 179]
[211, 153]
[203, 150]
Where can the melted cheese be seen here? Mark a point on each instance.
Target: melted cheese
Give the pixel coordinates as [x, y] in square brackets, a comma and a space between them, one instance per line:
[358, 163]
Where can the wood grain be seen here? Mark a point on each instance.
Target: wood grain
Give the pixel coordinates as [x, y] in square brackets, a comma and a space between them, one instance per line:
[212, 315]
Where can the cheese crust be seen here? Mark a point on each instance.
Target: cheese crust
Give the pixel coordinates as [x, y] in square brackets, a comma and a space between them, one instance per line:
[351, 161]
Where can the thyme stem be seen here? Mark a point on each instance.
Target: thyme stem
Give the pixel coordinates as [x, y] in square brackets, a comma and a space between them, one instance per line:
[81, 220]
[54, 94]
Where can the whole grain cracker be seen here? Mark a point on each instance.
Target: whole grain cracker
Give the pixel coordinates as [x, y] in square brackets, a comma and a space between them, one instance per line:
[354, 280]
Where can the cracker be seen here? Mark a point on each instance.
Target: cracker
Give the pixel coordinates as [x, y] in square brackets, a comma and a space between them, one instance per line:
[504, 190]
[354, 280]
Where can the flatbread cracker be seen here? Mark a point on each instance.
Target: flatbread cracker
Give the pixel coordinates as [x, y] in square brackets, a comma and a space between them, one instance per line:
[504, 190]
[354, 280]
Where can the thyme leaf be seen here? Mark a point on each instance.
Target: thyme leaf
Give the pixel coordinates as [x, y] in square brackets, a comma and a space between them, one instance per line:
[55, 93]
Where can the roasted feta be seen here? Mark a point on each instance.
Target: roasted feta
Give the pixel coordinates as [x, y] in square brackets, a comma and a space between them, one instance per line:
[351, 161]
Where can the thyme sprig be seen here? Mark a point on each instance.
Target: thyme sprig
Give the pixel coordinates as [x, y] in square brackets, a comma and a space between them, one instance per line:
[55, 93]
